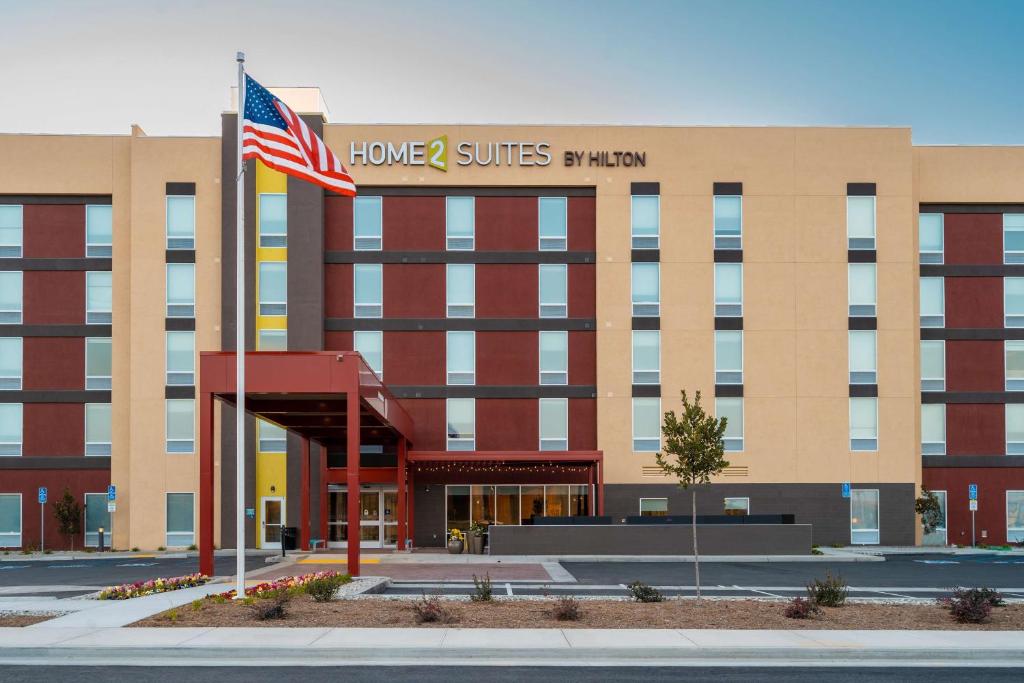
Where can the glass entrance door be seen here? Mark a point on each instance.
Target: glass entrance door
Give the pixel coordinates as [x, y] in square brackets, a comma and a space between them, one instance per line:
[378, 518]
[272, 522]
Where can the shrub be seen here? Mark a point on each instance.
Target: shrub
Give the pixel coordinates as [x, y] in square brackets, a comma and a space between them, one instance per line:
[197, 605]
[172, 614]
[47, 552]
[275, 608]
[971, 605]
[135, 550]
[641, 592]
[801, 608]
[193, 547]
[161, 548]
[838, 545]
[831, 592]
[482, 591]
[816, 551]
[567, 608]
[430, 610]
[323, 588]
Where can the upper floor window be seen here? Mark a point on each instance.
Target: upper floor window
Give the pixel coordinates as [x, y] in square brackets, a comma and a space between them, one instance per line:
[180, 424]
[99, 230]
[1014, 428]
[646, 356]
[10, 297]
[863, 423]
[933, 307]
[368, 223]
[368, 290]
[645, 221]
[272, 439]
[370, 345]
[10, 520]
[729, 290]
[1013, 238]
[97, 429]
[863, 298]
[11, 230]
[181, 358]
[461, 357]
[933, 365]
[461, 424]
[646, 424]
[728, 357]
[1013, 302]
[98, 363]
[933, 429]
[273, 220]
[728, 219]
[863, 357]
[11, 360]
[554, 424]
[10, 428]
[646, 289]
[273, 288]
[1014, 351]
[554, 357]
[460, 223]
[553, 290]
[273, 340]
[181, 222]
[460, 290]
[181, 290]
[860, 222]
[99, 296]
[731, 408]
[552, 221]
[930, 235]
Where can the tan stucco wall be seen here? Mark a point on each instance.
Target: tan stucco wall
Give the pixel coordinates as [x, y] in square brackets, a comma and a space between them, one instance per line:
[969, 174]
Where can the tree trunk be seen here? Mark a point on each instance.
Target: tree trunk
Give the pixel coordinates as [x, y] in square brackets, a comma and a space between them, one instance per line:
[696, 554]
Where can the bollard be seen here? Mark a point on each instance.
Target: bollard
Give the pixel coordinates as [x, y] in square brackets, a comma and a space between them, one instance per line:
[101, 539]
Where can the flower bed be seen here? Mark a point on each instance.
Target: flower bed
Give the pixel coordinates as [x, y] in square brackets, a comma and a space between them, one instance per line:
[283, 583]
[141, 588]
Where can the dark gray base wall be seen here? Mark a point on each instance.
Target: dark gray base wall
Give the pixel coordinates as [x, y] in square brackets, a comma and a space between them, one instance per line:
[820, 505]
[428, 516]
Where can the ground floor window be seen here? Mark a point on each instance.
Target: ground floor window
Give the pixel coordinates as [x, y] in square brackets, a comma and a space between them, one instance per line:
[512, 503]
[938, 535]
[10, 520]
[1014, 516]
[96, 518]
[181, 520]
[864, 527]
[653, 507]
[737, 506]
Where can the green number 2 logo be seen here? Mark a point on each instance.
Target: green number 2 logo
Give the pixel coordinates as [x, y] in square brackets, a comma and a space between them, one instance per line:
[437, 153]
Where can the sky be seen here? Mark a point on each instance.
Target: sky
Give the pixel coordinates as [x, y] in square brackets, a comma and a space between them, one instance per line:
[952, 71]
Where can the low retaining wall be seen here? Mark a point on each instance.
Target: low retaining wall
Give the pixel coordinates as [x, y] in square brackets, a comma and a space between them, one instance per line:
[643, 539]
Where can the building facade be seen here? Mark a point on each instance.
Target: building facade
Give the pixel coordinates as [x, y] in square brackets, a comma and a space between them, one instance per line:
[535, 297]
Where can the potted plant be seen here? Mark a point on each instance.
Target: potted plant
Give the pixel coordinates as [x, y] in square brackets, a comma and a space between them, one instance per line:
[476, 538]
[456, 542]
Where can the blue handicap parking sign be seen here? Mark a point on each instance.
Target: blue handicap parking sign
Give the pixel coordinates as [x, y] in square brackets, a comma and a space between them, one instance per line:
[42, 494]
[111, 492]
[846, 490]
[972, 491]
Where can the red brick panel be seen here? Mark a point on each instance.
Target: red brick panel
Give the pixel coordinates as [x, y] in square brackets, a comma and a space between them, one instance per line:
[428, 418]
[414, 358]
[26, 482]
[506, 224]
[507, 424]
[582, 358]
[990, 519]
[338, 341]
[53, 429]
[974, 302]
[973, 238]
[974, 366]
[582, 290]
[338, 290]
[975, 429]
[54, 230]
[582, 424]
[338, 223]
[582, 223]
[414, 223]
[507, 291]
[54, 363]
[507, 358]
[414, 291]
[54, 297]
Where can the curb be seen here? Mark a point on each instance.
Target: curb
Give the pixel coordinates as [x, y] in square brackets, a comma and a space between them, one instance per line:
[541, 559]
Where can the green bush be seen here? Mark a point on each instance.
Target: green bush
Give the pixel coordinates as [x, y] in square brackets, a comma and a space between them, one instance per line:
[641, 592]
[482, 591]
[324, 588]
[831, 592]
[972, 605]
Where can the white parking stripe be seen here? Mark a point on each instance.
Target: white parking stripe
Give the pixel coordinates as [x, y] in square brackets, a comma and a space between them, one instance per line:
[754, 590]
[508, 589]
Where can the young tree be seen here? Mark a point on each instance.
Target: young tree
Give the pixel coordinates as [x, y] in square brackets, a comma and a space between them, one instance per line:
[693, 453]
[68, 512]
[930, 510]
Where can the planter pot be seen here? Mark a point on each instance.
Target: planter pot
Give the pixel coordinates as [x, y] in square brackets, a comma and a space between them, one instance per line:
[476, 544]
[455, 547]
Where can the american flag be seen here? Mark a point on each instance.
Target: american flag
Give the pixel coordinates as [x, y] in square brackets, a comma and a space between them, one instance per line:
[275, 135]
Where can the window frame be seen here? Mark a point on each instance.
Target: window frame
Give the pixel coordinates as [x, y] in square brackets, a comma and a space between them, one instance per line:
[376, 308]
[556, 243]
[933, 447]
[558, 309]
[862, 377]
[183, 313]
[930, 256]
[95, 317]
[271, 332]
[369, 242]
[460, 377]
[937, 384]
[191, 241]
[190, 376]
[1012, 384]
[451, 242]
[545, 377]
[271, 308]
[1017, 534]
[95, 249]
[643, 443]
[17, 316]
[541, 439]
[943, 497]
[20, 443]
[100, 448]
[645, 376]
[15, 249]
[860, 309]
[725, 502]
[10, 536]
[273, 443]
[99, 382]
[1012, 257]
[644, 241]
[864, 447]
[723, 241]
[356, 334]
[644, 309]
[15, 382]
[724, 309]
[274, 240]
[168, 532]
[878, 515]
[933, 319]
[640, 507]
[1012, 447]
[850, 244]
[191, 443]
[452, 307]
[461, 443]
[734, 444]
[90, 539]
[729, 376]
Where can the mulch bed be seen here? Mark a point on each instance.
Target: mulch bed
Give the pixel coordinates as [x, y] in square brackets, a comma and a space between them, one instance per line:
[22, 619]
[722, 614]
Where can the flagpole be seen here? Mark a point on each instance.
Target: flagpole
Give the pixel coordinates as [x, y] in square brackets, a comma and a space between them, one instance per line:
[240, 342]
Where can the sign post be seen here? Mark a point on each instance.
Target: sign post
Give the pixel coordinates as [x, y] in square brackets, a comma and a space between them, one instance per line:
[42, 527]
[972, 495]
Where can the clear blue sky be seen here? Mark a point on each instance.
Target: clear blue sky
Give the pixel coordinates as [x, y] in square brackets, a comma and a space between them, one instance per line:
[950, 70]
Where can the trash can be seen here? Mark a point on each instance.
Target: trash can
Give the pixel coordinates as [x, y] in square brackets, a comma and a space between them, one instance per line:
[290, 537]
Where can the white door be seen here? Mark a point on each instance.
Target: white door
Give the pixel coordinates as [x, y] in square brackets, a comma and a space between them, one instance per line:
[272, 521]
[378, 519]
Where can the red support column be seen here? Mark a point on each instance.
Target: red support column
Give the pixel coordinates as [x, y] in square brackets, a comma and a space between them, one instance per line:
[352, 479]
[410, 508]
[206, 483]
[304, 530]
[323, 493]
[400, 507]
[600, 487]
[591, 493]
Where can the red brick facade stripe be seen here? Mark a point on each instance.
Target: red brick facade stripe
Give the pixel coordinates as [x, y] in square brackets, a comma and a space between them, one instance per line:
[53, 429]
[973, 238]
[974, 366]
[975, 429]
[53, 363]
[974, 302]
[54, 230]
[54, 297]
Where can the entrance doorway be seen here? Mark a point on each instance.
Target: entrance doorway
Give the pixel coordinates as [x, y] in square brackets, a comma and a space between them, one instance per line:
[273, 522]
[378, 517]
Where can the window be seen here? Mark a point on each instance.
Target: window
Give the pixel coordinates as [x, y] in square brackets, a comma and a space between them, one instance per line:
[10, 429]
[554, 357]
[1013, 302]
[10, 520]
[11, 231]
[728, 357]
[274, 288]
[930, 235]
[554, 424]
[553, 290]
[273, 220]
[646, 425]
[860, 222]
[273, 439]
[370, 344]
[11, 356]
[460, 290]
[863, 357]
[1014, 351]
[728, 221]
[369, 290]
[933, 307]
[552, 220]
[181, 422]
[731, 409]
[863, 424]
[1015, 428]
[99, 231]
[367, 222]
[181, 358]
[181, 222]
[10, 297]
[862, 294]
[646, 356]
[461, 420]
[1013, 238]
[933, 365]
[933, 429]
[460, 223]
[97, 517]
[97, 429]
[653, 507]
[461, 355]
[645, 220]
[864, 517]
[737, 506]
[938, 535]
[181, 290]
[729, 290]
[98, 363]
[646, 290]
[181, 520]
[98, 296]
[1014, 517]
[273, 340]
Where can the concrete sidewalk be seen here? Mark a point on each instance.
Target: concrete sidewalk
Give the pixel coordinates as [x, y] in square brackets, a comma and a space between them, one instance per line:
[428, 646]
